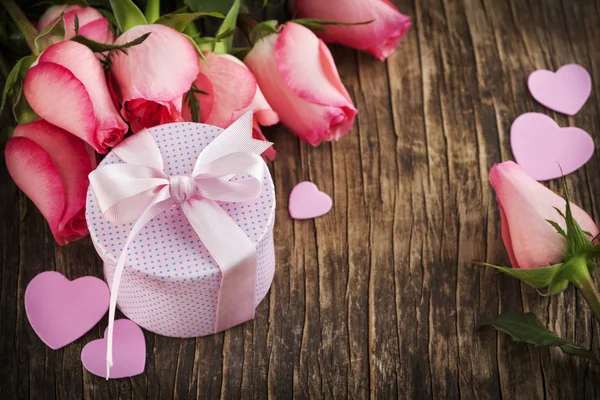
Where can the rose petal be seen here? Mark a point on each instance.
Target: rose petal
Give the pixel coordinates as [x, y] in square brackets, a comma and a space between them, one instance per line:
[162, 68]
[69, 156]
[526, 205]
[82, 62]
[230, 89]
[33, 172]
[263, 112]
[380, 37]
[57, 96]
[269, 154]
[311, 122]
[298, 46]
[98, 30]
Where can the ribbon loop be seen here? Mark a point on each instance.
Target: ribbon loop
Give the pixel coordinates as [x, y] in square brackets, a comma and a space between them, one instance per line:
[229, 169]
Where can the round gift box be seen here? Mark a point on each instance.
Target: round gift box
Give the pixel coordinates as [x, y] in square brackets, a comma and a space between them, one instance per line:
[170, 283]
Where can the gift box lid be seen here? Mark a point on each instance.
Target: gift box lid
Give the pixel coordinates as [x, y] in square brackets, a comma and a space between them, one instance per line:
[167, 247]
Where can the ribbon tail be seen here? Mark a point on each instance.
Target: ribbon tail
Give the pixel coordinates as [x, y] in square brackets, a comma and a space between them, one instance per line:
[234, 252]
[158, 205]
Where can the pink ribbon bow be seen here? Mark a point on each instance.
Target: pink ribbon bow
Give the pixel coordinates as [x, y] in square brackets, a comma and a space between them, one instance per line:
[139, 190]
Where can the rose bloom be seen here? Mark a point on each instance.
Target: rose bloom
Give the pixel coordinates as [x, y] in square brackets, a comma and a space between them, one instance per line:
[299, 79]
[151, 80]
[525, 205]
[67, 88]
[51, 167]
[92, 24]
[380, 37]
[230, 90]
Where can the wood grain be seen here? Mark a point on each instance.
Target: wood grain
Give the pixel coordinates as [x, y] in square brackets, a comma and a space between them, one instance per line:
[377, 299]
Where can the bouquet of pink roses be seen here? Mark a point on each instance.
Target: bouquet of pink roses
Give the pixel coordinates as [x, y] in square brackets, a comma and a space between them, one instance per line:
[94, 76]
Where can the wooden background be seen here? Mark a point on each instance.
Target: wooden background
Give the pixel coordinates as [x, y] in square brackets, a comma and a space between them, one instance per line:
[377, 298]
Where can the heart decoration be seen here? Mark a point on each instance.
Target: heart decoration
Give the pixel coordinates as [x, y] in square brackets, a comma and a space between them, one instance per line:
[60, 311]
[129, 352]
[565, 90]
[542, 148]
[307, 202]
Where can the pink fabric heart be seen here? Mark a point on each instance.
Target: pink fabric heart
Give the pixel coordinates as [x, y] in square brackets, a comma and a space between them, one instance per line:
[129, 348]
[542, 148]
[565, 90]
[61, 311]
[306, 201]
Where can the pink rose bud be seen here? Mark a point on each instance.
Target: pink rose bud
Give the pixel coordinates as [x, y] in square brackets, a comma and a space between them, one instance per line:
[298, 77]
[525, 205]
[92, 24]
[379, 37]
[51, 167]
[152, 78]
[67, 88]
[230, 90]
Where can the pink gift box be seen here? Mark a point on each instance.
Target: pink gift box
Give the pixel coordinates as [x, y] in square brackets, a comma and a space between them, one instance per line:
[170, 284]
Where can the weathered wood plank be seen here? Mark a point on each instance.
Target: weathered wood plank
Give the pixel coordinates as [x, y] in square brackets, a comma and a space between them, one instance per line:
[378, 298]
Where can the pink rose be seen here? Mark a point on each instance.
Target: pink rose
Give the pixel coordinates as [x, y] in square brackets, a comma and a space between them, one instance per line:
[152, 78]
[231, 90]
[92, 24]
[379, 38]
[67, 88]
[525, 205]
[298, 77]
[51, 167]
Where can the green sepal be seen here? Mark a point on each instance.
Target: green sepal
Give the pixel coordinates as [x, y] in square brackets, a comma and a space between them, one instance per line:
[208, 42]
[578, 242]
[537, 278]
[526, 327]
[53, 34]
[264, 29]
[14, 86]
[127, 14]
[22, 111]
[180, 19]
[98, 47]
[196, 46]
[594, 251]
[192, 102]
[229, 23]
[318, 25]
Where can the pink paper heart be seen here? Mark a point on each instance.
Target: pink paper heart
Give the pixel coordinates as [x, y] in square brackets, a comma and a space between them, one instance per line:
[542, 148]
[129, 352]
[61, 311]
[565, 90]
[306, 201]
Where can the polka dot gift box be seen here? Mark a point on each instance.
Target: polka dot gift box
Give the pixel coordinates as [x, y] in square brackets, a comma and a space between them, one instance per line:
[182, 215]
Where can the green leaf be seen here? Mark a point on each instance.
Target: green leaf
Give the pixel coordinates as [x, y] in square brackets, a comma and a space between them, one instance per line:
[179, 20]
[127, 14]
[15, 78]
[537, 278]
[53, 34]
[221, 6]
[229, 23]
[98, 47]
[526, 327]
